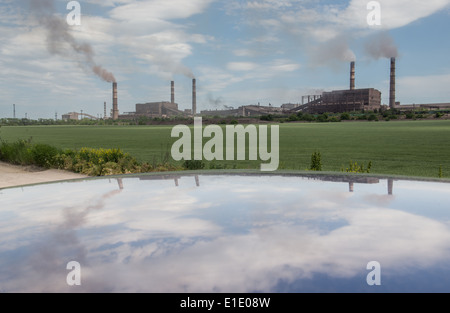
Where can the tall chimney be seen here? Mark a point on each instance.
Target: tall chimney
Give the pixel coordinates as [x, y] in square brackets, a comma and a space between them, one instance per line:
[392, 89]
[352, 76]
[194, 97]
[173, 92]
[115, 103]
[105, 110]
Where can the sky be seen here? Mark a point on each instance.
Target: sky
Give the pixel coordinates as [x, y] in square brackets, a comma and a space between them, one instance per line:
[241, 52]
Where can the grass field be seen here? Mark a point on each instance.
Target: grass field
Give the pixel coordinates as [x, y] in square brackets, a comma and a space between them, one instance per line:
[411, 148]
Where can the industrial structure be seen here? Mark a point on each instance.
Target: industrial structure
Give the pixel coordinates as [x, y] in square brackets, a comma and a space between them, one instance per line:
[115, 103]
[163, 108]
[340, 101]
[74, 116]
[337, 101]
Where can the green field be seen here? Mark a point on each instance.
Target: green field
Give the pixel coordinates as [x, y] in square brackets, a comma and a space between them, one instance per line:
[411, 148]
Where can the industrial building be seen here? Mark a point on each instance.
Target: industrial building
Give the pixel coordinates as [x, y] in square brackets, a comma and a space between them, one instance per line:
[71, 116]
[340, 101]
[163, 108]
[244, 111]
[74, 116]
[337, 101]
[353, 99]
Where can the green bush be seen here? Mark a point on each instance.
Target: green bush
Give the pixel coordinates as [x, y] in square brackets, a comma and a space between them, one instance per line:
[268, 118]
[345, 117]
[372, 117]
[322, 118]
[357, 168]
[17, 152]
[44, 155]
[193, 165]
[334, 119]
[219, 166]
[307, 117]
[363, 117]
[316, 162]
[410, 115]
[92, 162]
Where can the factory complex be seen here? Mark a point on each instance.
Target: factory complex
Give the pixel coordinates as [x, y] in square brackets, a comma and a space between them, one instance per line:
[337, 101]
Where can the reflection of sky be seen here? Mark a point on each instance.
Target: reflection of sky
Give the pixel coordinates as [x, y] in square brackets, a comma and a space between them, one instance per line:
[230, 234]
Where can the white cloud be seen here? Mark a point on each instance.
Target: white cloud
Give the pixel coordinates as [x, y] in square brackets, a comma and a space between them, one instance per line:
[394, 14]
[170, 244]
[423, 89]
[312, 23]
[159, 10]
[242, 66]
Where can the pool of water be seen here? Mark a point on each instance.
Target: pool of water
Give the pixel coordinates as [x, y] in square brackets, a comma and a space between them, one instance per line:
[221, 233]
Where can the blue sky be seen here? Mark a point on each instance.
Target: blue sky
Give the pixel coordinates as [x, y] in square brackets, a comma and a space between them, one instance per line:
[241, 52]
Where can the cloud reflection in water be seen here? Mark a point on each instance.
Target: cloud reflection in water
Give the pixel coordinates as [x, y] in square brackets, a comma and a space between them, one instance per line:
[216, 233]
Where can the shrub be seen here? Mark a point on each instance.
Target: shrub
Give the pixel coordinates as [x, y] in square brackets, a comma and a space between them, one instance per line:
[307, 117]
[193, 165]
[219, 166]
[357, 168]
[268, 118]
[316, 162]
[410, 115]
[363, 117]
[322, 118]
[44, 155]
[17, 152]
[372, 117]
[345, 117]
[334, 120]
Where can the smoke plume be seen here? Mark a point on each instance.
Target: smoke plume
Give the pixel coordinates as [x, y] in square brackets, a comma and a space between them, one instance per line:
[381, 46]
[216, 103]
[333, 52]
[61, 42]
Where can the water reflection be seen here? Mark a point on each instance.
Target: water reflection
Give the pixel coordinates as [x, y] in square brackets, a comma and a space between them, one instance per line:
[351, 180]
[226, 233]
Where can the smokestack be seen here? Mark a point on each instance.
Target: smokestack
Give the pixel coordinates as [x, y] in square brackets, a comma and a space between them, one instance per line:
[352, 76]
[194, 97]
[173, 93]
[105, 111]
[115, 103]
[392, 89]
[390, 187]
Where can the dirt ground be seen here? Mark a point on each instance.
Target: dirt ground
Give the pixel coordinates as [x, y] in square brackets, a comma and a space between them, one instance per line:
[12, 175]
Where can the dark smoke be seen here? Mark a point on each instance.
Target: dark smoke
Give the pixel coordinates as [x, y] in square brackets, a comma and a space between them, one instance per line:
[216, 103]
[61, 42]
[381, 46]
